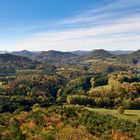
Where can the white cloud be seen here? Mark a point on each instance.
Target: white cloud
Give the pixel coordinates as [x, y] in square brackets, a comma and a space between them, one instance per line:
[108, 27]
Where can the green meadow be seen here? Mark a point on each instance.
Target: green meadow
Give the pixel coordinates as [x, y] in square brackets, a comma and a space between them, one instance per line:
[133, 115]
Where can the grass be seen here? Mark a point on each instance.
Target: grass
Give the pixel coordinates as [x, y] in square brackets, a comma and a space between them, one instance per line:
[133, 115]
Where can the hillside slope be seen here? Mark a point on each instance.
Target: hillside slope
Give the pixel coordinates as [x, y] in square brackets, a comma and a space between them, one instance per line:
[132, 58]
[56, 55]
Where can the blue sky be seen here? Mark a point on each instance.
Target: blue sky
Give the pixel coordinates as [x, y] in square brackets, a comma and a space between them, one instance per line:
[68, 25]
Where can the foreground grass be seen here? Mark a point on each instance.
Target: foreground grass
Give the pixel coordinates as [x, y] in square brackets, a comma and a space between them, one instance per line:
[133, 115]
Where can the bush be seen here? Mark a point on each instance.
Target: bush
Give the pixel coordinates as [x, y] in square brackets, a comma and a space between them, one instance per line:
[121, 110]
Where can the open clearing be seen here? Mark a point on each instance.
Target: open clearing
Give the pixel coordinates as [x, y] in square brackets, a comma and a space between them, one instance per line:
[133, 115]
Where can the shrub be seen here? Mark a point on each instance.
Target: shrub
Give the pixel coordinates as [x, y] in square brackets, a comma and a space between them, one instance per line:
[121, 110]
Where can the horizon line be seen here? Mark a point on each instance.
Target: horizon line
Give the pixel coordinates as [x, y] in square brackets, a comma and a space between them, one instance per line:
[67, 51]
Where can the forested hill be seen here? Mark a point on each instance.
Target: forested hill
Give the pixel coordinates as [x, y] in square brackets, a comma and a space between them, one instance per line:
[125, 57]
[13, 58]
[25, 53]
[15, 61]
[100, 54]
[56, 55]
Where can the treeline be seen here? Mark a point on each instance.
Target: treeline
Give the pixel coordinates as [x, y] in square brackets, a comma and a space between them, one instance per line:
[103, 102]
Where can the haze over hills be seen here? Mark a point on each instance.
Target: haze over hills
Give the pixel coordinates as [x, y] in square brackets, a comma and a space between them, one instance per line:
[2, 52]
[65, 55]
[119, 52]
[77, 52]
[81, 53]
[53, 55]
[25, 53]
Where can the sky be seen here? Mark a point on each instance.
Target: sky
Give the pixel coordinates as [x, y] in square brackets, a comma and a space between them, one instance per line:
[68, 25]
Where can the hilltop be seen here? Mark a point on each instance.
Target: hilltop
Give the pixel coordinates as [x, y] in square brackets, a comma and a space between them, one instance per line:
[101, 53]
[55, 55]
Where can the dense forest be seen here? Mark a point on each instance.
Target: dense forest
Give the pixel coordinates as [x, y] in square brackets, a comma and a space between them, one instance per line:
[49, 95]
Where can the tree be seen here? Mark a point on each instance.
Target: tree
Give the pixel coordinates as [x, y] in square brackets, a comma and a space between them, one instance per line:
[92, 81]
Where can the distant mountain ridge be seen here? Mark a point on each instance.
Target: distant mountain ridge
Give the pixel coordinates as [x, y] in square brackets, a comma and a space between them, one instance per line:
[119, 52]
[56, 55]
[115, 52]
[130, 57]
[81, 53]
[101, 53]
[77, 52]
[25, 53]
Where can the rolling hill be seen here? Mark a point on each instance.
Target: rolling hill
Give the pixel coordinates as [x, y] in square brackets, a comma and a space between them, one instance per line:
[116, 52]
[56, 55]
[99, 54]
[14, 61]
[132, 58]
[26, 53]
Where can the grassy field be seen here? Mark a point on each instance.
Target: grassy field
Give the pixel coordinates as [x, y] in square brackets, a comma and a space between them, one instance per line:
[133, 115]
